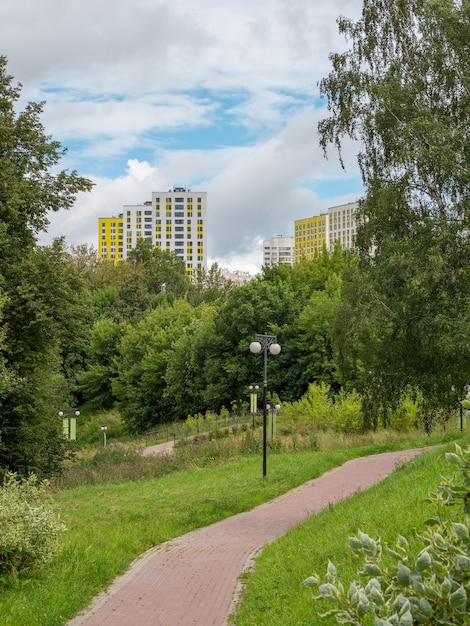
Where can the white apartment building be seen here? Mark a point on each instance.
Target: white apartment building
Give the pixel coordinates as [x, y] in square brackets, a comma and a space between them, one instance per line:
[278, 251]
[174, 221]
[342, 225]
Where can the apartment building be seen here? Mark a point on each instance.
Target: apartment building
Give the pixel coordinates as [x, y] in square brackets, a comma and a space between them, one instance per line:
[278, 251]
[342, 225]
[310, 236]
[174, 221]
[110, 238]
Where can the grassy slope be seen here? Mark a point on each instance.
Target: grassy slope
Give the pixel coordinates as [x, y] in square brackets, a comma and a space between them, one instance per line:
[274, 592]
[110, 525]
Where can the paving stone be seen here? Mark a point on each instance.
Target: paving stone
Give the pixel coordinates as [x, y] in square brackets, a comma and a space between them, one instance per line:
[194, 579]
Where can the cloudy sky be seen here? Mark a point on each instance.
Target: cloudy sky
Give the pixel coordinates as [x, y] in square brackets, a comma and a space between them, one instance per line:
[215, 95]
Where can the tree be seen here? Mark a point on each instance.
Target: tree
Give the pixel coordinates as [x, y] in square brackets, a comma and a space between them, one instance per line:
[261, 306]
[39, 300]
[95, 382]
[146, 349]
[85, 258]
[311, 344]
[210, 285]
[164, 271]
[47, 321]
[402, 91]
[185, 375]
[29, 186]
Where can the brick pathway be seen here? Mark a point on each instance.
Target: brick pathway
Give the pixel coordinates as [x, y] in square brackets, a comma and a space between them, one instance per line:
[194, 579]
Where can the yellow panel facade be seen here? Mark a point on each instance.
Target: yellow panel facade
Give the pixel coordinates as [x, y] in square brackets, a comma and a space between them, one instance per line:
[111, 239]
[310, 236]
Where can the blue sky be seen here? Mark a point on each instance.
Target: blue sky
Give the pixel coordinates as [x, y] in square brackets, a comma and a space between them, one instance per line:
[216, 95]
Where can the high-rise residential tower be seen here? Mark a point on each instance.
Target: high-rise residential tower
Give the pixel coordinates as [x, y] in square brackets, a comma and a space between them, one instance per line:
[342, 225]
[110, 239]
[310, 237]
[174, 221]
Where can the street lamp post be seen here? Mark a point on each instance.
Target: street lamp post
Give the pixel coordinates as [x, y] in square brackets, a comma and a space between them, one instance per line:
[265, 342]
[274, 408]
[253, 400]
[69, 424]
[104, 429]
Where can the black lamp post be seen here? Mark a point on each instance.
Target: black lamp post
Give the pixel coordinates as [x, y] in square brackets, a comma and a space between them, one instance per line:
[265, 342]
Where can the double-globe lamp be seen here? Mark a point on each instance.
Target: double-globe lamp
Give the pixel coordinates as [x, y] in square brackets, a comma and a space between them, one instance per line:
[265, 342]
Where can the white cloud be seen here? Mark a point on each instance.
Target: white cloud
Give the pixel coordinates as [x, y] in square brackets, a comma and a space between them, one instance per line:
[214, 94]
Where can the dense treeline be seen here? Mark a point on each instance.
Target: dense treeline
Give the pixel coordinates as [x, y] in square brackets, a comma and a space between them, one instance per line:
[388, 322]
[187, 350]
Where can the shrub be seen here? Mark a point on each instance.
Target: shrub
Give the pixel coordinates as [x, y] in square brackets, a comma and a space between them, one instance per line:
[347, 412]
[314, 406]
[431, 587]
[29, 525]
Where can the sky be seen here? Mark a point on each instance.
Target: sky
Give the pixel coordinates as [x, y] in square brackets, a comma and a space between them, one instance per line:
[212, 95]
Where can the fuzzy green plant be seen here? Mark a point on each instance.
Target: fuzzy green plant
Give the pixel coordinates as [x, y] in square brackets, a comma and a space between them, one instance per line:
[431, 587]
[30, 528]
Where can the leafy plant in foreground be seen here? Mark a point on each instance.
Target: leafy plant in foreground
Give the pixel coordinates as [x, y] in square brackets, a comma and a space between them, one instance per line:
[29, 526]
[432, 587]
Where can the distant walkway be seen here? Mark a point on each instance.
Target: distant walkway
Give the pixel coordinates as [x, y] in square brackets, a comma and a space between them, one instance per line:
[194, 579]
[161, 448]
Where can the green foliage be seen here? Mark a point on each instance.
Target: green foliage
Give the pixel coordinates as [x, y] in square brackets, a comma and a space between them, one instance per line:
[430, 587]
[185, 379]
[314, 406]
[146, 349]
[160, 271]
[322, 410]
[44, 310]
[30, 526]
[210, 286]
[344, 410]
[46, 315]
[95, 383]
[401, 91]
[347, 412]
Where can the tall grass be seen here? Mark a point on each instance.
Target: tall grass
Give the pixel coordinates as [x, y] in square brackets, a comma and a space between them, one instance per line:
[119, 463]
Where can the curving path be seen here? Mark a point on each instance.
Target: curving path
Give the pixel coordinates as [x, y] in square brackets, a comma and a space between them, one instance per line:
[194, 579]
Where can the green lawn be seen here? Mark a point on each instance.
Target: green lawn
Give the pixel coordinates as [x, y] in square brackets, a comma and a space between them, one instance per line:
[274, 592]
[110, 525]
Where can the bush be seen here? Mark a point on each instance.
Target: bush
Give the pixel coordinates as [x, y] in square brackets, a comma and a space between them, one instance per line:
[347, 413]
[431, 587]
[314, 406]
[29, 526]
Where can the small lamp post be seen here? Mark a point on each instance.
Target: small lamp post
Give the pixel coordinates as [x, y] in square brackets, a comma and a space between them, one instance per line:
[253, 400]
[69, 424]
[274, 408]
[103, 430]
[265, 342]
